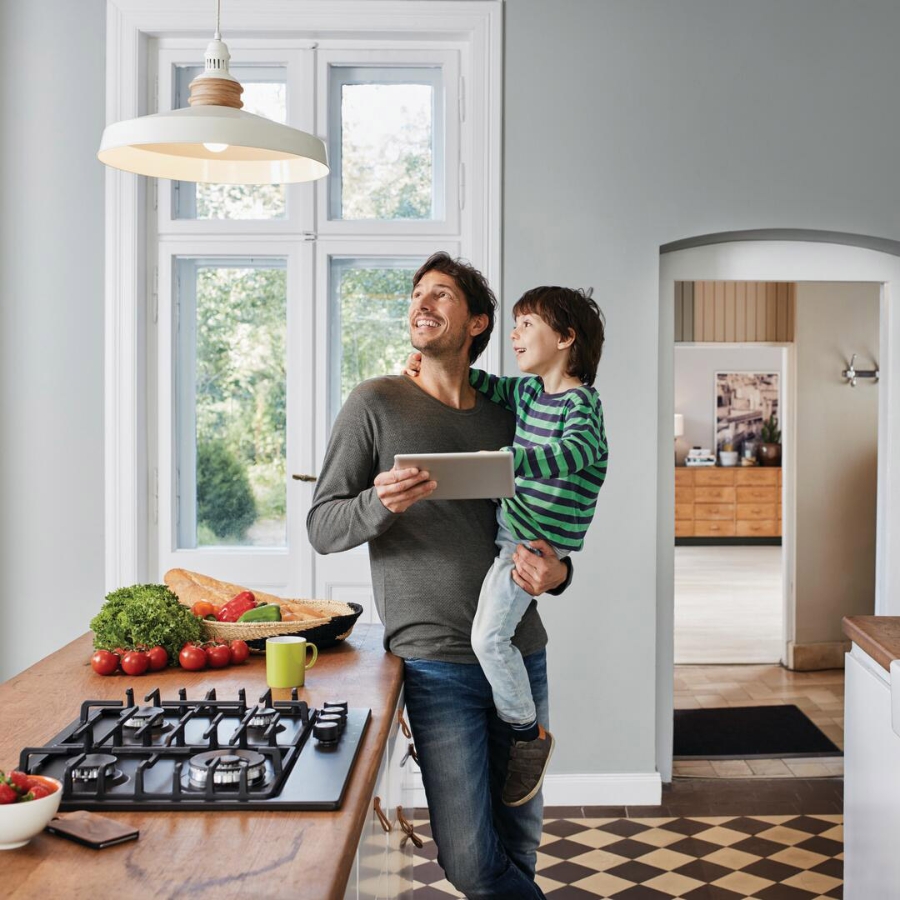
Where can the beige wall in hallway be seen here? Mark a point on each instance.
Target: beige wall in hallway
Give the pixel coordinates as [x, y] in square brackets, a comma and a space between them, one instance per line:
[837, 441]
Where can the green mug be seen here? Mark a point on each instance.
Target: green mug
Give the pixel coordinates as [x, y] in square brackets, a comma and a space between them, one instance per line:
[287, 662]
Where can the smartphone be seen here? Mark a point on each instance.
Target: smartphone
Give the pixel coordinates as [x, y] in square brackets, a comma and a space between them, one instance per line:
[92, 830]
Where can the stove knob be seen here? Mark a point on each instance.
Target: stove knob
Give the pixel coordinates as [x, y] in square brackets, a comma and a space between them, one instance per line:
[326, 732]
[336, 720]
[340, 708]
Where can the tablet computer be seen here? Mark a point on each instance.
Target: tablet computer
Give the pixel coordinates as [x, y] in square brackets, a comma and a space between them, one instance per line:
[464, 476]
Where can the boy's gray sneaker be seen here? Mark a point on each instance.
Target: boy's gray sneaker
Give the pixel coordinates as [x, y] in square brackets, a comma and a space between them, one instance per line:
[527, 765]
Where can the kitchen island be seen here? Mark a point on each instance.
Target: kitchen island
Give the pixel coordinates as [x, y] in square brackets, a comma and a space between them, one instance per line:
[872, 758]
[219, 854]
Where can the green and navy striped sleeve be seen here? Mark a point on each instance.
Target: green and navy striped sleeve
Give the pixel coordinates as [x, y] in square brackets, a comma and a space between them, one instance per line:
[497, 388]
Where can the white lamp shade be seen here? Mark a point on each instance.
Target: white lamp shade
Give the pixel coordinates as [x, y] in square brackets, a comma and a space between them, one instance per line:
[679, 425]
[171, 145]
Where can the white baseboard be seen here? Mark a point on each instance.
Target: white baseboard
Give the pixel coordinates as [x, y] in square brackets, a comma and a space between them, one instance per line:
[616, 789]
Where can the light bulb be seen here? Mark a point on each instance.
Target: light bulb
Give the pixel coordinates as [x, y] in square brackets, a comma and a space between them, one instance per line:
[215, 148]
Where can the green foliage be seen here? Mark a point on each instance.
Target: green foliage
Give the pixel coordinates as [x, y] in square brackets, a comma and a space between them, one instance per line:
[144, 614]
[240, 391]
[374, 304]
[386, 174]
[225, 501]
[770, 432]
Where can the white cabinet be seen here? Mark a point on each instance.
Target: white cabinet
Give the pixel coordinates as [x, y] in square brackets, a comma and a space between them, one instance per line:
[383, 868]
[871, 783]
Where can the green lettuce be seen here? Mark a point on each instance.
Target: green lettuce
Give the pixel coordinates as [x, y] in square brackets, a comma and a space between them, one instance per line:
[145, 614]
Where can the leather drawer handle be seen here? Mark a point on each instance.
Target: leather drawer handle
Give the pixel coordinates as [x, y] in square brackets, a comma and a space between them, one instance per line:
[385, 822]
[408, 833]
[403, 726]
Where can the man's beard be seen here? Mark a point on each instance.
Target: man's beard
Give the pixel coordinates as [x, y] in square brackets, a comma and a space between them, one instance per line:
[447, 345]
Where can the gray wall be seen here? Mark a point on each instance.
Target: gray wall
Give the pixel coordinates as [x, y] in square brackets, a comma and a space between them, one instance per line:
[837, 453]
[628, 125]
[51, 324]
[695, 386]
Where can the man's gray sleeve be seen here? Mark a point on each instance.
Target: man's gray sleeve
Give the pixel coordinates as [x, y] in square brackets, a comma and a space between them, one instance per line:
[346, 511]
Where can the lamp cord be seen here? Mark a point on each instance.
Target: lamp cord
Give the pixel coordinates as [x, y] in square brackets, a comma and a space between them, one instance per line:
[218, 35]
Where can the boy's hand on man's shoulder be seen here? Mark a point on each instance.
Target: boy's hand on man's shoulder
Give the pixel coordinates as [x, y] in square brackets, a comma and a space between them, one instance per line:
[413, 365]
[398, 489]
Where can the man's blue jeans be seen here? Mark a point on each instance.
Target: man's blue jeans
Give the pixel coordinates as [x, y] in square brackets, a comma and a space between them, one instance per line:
[488, 850]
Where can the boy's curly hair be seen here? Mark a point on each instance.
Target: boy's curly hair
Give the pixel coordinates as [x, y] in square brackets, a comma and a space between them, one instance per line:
[567, 310]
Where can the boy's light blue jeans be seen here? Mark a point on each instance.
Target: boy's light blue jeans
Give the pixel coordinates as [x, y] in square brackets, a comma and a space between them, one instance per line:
[501, 605]
[488, 850]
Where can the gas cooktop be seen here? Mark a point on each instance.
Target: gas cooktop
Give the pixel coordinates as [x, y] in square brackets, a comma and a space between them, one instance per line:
[203, 754]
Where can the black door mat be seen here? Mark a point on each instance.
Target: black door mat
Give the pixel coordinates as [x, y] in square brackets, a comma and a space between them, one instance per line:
[748, 732]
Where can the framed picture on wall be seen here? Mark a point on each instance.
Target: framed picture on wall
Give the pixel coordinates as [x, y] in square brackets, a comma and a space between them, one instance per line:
[744, 400]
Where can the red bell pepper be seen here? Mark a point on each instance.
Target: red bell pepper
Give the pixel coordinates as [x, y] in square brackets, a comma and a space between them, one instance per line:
[236, 607]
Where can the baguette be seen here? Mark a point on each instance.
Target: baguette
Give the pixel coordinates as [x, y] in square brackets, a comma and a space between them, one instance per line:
[190, 587]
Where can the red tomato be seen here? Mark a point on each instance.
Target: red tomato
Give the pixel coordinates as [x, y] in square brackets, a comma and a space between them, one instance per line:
[192, 658]
[158, 658]
[218, 656]
[104, 662]
[239, 651]
[135, 662]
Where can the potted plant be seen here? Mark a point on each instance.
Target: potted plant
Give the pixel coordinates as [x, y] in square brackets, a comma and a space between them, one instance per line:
[770, 449]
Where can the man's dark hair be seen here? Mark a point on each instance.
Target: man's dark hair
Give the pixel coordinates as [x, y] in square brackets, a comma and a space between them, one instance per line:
[479, 297]
[568, 310]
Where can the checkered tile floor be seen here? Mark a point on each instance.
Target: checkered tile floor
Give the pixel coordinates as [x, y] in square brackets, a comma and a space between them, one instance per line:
[785, 857]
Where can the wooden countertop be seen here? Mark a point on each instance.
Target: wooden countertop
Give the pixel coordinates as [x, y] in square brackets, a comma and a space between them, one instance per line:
[197, 854]
[879, 636]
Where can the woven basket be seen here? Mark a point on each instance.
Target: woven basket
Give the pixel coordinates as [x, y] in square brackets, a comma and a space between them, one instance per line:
[336, 623]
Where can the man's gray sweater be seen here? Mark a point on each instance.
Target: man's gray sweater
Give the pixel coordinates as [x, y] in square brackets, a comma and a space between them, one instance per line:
[428, 562]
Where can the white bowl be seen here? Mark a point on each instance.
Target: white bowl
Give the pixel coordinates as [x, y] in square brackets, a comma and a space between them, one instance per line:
[20, 822]
[728, 457]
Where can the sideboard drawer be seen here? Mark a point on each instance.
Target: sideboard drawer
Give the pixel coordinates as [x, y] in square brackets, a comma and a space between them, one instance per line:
[684, 511]
[748, 494]
[684, 494]
[713, 477]
[708, 511]
[757, 477]
[684, 477]
[684, 528]
[757, 511]
[762, 528]
[714, 529]
[714, 494]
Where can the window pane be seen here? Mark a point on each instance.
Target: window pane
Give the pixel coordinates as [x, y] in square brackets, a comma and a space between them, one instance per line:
[231, 394]
[264, 95]
[390, 145]
[369, 325]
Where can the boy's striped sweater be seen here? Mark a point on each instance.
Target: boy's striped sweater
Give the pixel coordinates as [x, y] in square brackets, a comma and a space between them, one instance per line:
[560, 456]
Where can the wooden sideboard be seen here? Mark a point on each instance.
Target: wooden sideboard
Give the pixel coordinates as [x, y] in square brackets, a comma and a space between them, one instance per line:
[727, 502]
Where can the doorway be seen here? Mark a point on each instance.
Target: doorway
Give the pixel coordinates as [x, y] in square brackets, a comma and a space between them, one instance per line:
[783, 256]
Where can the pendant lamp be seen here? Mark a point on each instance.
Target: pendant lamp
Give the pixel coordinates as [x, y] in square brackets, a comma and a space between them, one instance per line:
[213, 139]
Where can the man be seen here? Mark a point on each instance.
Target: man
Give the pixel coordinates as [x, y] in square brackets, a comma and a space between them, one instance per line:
[428, 563]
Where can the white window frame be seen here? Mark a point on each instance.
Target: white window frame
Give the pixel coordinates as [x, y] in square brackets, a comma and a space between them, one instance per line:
[451, 159]
[135, 288]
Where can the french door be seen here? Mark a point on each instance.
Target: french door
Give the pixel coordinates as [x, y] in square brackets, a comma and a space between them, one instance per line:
[273, 302]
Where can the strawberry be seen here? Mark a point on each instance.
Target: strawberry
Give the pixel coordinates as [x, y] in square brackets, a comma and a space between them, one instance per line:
[38, 791]
[19, 781]
[7, 794]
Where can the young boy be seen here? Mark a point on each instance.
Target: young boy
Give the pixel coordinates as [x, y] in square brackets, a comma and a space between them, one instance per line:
[559, 453]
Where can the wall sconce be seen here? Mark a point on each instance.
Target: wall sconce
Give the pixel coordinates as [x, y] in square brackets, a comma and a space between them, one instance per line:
[851, 373]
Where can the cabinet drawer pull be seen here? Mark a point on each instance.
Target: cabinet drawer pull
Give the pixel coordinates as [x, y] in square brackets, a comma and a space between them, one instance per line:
[385, 823]
[403, 726]
[410, 752]
[408, 832]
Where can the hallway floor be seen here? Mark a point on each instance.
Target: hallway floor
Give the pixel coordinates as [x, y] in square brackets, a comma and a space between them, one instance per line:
[820, 695]
[728, 605]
